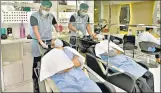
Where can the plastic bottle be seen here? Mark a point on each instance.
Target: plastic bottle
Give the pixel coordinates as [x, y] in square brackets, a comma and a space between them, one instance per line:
[9, 32]
[22, 30]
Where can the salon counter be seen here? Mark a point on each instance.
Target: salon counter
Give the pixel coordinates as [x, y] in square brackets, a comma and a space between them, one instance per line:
[23, 40]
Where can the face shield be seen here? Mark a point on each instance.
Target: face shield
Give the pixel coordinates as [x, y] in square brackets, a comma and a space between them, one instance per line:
[102, 23]
[111, 53]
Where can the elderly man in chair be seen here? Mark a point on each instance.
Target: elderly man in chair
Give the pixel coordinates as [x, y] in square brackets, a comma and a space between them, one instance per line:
[116, 58]
[64, 66]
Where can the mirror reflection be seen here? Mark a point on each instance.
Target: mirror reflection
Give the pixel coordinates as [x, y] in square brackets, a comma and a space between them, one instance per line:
[124, 16]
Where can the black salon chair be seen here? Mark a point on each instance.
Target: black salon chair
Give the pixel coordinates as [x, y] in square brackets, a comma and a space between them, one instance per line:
[144, 46]
[129, 43]
[117, 78]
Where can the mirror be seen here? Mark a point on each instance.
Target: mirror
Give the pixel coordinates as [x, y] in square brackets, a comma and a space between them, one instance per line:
[124, 16]
[62, 2]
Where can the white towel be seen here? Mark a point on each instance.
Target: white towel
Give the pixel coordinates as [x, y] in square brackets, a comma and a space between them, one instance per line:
[102, 47]
[81, 58]
[55, 61]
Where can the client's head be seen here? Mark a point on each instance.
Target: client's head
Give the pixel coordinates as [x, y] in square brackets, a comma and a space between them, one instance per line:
[149, 29]
[56, 43]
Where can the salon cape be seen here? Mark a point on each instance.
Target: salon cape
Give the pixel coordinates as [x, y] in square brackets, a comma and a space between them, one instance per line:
[102, 47]
[122, 62]
[55, 61]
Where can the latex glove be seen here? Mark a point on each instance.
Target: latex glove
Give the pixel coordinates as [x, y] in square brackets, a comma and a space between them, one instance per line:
[100, 37]
[79, 34]
[43, 45]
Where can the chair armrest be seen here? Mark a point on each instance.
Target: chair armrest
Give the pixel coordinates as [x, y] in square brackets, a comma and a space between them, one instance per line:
[124, 81]
[103, 81]
[52, 85]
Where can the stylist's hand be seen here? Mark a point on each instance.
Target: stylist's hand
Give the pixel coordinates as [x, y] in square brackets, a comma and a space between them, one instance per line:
[43, 45]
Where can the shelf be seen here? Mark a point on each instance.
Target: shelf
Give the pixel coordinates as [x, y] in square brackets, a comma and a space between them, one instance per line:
[25, 40]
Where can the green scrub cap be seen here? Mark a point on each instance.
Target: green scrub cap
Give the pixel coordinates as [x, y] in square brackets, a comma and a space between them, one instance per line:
[84, 6]
[46, 3]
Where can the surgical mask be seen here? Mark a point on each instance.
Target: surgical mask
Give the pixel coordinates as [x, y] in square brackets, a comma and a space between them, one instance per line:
[58, 43]
[44, 12]
[82, 14]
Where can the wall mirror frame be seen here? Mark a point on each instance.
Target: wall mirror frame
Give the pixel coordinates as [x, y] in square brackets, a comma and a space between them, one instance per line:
[124, 17]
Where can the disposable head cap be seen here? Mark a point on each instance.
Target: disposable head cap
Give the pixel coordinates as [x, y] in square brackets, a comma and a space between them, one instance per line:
[58, 43]
[83, 6]
[46, 3]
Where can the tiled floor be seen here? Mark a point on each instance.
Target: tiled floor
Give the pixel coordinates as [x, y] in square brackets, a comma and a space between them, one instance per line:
[27, 87]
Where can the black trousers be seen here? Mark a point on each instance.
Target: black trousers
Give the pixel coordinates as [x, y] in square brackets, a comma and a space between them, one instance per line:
[34, 76]
[157, 55]
[146, 83]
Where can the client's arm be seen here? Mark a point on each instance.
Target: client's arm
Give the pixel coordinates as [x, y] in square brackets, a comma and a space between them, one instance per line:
[66, 70]
[76, 62]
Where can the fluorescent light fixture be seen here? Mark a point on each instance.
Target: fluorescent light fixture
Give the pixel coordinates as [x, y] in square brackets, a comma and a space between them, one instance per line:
[141, 24]
[119, 25]
[151, 26]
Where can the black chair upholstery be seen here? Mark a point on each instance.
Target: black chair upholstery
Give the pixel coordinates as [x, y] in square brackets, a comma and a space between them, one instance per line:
[144, 46]
[129, 43]
[92, 63]
[104, 87]
[65, 43]
[84, 43]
